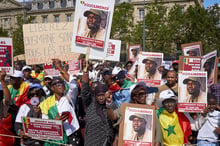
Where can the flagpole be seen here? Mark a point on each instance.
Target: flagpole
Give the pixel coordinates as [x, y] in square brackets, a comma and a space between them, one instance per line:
[144, 29]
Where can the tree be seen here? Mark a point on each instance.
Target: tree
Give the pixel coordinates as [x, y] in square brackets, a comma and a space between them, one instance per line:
[17, 34]
[3, 33]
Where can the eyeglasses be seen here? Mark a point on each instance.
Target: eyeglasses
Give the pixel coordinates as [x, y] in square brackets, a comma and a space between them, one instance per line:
[141, 94]
[35, 93]
[58, 84]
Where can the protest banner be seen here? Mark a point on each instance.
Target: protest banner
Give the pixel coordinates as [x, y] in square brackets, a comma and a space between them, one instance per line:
[192, 91]
[43, 128]
[45, 41]
[93, 20]
[114, 50]
[51, 70]
[148, 65]
[192, 49]
[127, 134]
[209, 64]
[6, 55]
[74, 67]
[133, 52]
[188, 63]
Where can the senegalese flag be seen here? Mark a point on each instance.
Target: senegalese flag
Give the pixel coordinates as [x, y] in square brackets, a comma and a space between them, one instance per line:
[39, 76]
[49, 108]
[26, 122]
[175, 127]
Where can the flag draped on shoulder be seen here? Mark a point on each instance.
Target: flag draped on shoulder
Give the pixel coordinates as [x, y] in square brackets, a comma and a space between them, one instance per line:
[175, 127]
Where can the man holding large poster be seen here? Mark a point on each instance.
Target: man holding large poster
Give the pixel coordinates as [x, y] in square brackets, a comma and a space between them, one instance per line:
[94, 31]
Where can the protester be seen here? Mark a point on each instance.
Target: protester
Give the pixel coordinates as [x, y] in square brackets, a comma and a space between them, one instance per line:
[60, 106]
[30, 109]
[175, 64]
[99, 130]
[174, 125]
[26, 70]
[47, 84]
[38, 73]
[209, 132]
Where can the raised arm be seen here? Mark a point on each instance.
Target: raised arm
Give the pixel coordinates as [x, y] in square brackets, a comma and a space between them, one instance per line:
[6, 93]
[86, 93]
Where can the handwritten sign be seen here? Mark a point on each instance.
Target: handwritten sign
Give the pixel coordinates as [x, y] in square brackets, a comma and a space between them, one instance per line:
[48, 40]
[43, 128]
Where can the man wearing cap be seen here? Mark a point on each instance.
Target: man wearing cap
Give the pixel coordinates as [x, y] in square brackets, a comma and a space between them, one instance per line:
[151, 71]
[94, 18]
[141, 132]
[175, 126]
[192, 52]
[46, 87]
[194, 94]
[134, 53]
[26, 70]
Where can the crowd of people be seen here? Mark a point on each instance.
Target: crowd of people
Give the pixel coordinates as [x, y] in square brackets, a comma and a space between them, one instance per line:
[92, 98]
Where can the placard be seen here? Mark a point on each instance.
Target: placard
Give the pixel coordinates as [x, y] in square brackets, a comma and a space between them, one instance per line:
[74, 67]
[128, 132]
[192, 49]
[93, 20]
[43, 128]
[134, 51]
[148, 65]
[209, 64]
[6, 55]
[188, 63]
[45, 41]
[114, 50]
[192, 91]
[51, 70]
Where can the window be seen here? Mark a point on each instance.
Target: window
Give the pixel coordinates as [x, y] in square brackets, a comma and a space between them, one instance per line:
[56, 19]
[141, 14]
[68, 18]
[44, 19]
[63, 3]
[51, 4]
[6, 23]
[40, 5]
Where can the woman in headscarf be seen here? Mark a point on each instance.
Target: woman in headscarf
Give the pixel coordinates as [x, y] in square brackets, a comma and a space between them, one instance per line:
[99, 130]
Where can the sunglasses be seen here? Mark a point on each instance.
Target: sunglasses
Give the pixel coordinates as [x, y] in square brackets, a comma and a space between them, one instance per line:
[47, 79]
[141, 94]
[36, 93]
[58, 84]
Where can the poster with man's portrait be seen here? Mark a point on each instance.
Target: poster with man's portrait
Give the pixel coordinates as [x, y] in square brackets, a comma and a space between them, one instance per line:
[192, 91]
[148, 65]
[134, 51]
[192, 49]
[6, 55]
[137, 127]
[209, 64]
[93, 19]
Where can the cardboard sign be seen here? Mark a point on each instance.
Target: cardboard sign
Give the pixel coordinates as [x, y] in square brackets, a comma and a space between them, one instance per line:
[210, 65]
[43, 42]
[188, 63]
[192, 91]
[114, 50]
[6, 55]
[130, 113]
[51, 70]
[192, 49]
[43, 128]
[133, 52]
[93, 19]
[74, 67]
[148, 65]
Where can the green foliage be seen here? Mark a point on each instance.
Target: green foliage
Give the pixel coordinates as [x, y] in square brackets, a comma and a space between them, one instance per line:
[3, 33]
[17, 34]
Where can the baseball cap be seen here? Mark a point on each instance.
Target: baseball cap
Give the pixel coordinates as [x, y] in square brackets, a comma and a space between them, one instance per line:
[93, 11]
[35, 85]
[149, 59]
[26, 67]
[50, 77]
[136, 115]
[175, 61]
[166, 94]
[195, 79]
[17, 74]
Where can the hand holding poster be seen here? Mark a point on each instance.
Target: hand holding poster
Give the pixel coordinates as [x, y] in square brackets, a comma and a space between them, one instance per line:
[192, 49]
[148, 72]
[43, 128]
[93, 20]
[129, 132]
[6, 55]
[192, 91]
[209, 64]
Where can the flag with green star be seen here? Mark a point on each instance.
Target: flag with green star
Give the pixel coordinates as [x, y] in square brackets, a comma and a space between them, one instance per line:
[175, 127]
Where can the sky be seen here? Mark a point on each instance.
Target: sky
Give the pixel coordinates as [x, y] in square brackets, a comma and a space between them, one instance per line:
[206, 2]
